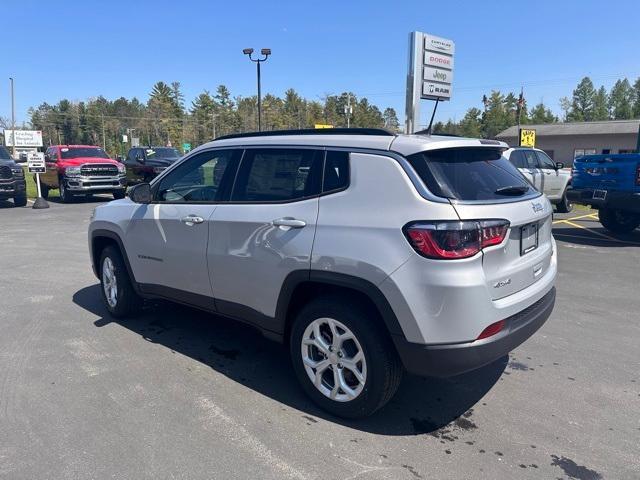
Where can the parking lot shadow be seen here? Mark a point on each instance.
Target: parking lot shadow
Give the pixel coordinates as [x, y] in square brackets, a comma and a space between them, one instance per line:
[421, 406]
[596, 237]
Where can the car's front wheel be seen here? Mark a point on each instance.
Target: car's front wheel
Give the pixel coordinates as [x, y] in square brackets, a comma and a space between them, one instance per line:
[117, 291]
[65, 195]
[20, 200]
[343, 358]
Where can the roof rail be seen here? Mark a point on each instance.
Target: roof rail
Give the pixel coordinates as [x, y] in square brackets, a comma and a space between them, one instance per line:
[312, 131]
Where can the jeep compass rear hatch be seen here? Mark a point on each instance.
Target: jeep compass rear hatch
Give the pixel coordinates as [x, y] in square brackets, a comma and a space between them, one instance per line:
[498, 209]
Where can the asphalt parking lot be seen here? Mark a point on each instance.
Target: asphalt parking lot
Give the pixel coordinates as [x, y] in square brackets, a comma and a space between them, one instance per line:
[176, 393]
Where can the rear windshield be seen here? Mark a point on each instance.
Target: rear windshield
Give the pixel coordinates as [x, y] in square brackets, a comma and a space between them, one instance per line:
[470, 174]
[82, 152]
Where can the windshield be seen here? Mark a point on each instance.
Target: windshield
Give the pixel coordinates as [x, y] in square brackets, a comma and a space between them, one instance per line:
[165, 153]
[4, 153]
[470, 173]
[81, 152]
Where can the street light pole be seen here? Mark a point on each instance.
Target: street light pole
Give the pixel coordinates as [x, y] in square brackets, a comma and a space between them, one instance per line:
[13, 122]
[265, 52]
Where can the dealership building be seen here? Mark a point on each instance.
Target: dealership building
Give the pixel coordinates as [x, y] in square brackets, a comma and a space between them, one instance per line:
[565, 141]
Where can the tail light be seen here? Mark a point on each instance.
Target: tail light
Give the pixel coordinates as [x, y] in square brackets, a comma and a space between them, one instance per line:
[454, 239]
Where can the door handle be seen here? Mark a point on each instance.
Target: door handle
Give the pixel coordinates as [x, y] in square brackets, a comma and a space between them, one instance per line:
[191, 220]
[289, 222]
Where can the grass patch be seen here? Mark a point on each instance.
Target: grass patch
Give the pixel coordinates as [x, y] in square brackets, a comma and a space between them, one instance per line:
[32, 189]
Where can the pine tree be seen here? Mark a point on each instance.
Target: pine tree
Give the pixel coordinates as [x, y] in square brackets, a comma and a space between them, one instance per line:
[601, 105]
[636, 99]
[471, 125]
[621, 100]
[582, 102]
[541, 114]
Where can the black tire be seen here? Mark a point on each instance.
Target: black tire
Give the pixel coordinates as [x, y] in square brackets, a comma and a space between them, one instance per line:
[65, 195]
[384, 368]
[617, 221]
[118, 194]
[44, 190]
[20, 200]
[565, 205]
[128, 302]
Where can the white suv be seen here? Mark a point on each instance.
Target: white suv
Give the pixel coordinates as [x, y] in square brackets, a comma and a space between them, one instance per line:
[547, 176]
[367, 253]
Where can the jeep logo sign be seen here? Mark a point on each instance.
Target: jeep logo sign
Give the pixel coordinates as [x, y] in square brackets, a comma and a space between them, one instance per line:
[431, 74]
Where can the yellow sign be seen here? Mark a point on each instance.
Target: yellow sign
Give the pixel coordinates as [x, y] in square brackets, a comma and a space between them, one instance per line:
[527, 137]
[321, 125]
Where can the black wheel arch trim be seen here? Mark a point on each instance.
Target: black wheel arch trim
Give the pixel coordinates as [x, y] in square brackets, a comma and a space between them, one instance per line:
[102, 233]
[370, 290]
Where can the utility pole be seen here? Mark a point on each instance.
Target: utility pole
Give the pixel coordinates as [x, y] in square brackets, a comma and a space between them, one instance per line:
[213, 124]
[348, 110]
[13, 122]
[265, 52]
[104, 140]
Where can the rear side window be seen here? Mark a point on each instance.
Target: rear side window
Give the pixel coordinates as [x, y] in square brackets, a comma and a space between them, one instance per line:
[470, 174]
[278, 175]
[336, 171]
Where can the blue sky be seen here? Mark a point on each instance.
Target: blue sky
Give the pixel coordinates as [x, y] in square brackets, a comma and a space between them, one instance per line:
[79, 49]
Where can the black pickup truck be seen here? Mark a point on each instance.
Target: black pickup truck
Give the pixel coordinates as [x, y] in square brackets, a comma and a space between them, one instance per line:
[12, 182]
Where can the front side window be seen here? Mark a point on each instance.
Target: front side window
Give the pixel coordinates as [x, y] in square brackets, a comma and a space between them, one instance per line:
[545, 161]
[531, 160]
[81, 152]
[201, 178]
[278, 175]
[4, 153]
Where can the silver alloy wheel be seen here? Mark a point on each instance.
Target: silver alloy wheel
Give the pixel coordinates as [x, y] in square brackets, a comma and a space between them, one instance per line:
[333, 359]
[109, 282]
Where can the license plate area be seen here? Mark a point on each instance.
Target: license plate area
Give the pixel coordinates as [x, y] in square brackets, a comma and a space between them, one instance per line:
[528, 238]
[599, 194]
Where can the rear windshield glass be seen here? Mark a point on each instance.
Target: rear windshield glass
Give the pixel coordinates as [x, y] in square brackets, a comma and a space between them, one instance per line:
[83, 152]
[470, 174]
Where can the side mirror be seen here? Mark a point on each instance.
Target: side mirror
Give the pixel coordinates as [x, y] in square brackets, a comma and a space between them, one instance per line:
[139, 158]
[559, 165]
[140, 193]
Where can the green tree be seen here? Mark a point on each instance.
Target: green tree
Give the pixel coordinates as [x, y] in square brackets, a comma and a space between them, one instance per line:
[496, 116]
[636, 99]
[203, 118]
[601, 105]
[621, 100]
[390, 118]
[471, 123]
[541, 114]
[582, 102]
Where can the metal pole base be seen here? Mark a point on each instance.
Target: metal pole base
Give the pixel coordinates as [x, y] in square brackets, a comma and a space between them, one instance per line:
[40, 203]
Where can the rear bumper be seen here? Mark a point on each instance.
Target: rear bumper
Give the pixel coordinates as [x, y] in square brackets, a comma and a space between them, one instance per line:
[12, 188]
[626, 201]
[453, 359]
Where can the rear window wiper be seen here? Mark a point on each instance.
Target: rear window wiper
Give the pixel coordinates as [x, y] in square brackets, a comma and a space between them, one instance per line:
[514, 190]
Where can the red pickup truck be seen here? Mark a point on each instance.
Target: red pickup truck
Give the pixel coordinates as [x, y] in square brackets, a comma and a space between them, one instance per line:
[82, 170]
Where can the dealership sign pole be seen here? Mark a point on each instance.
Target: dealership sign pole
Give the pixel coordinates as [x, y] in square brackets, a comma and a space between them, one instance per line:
[429, 76]
[36, 164]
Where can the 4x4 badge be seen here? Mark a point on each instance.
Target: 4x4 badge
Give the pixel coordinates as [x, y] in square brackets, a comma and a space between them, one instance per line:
[537, 207]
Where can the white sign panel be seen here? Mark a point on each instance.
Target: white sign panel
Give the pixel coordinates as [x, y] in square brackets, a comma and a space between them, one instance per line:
[438, 44]
[35, 162]
[431, 74]
[432, 90]
[437, 60]
[24, 138]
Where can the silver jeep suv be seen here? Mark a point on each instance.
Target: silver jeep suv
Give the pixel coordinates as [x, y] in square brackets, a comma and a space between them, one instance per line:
[366, 253]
